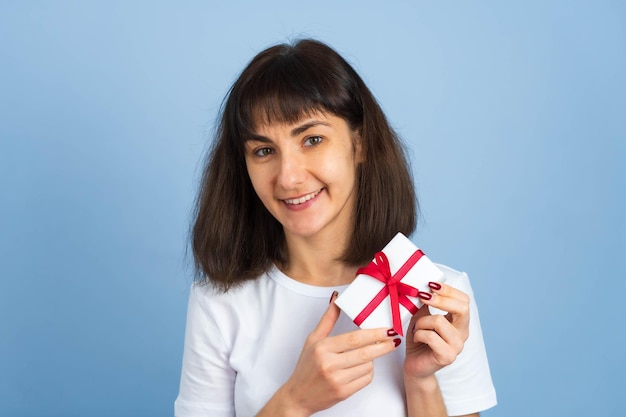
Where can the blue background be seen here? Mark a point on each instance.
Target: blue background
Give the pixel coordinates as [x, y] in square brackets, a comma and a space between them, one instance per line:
[514, 113]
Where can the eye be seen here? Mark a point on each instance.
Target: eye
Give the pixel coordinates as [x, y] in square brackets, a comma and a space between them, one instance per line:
[313, 141]
[261, 152]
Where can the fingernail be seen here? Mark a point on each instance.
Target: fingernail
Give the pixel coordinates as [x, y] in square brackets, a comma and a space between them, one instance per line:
[396, 342]
[413, 329]
[333, 295]
[434, 285]
[392, 332]
[424, 295]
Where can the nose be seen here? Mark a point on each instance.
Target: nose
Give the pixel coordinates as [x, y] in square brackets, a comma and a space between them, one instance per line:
[291, 171]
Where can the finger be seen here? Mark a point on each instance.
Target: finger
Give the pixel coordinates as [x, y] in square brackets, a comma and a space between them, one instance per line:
[365, 376]
[360, 338]
[423, 311]
[327, 321]
[446, 290]
[443, 353]
[348, 375]
[450, 300]
[366, 354]
[356, 384]
[446, 330]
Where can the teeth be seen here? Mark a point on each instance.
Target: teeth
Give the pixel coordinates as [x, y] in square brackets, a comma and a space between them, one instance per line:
[302, 199]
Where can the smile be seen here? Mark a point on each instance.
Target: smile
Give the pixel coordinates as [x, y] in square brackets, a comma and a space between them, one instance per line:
[303, 199]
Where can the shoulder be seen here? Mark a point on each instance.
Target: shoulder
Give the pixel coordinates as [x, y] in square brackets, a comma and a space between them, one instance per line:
[449, 272]
[209, 295]
[466, 384]
[212, 312]
[456, 279]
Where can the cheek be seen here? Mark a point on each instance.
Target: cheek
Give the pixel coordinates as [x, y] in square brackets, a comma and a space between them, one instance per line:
[340, 168]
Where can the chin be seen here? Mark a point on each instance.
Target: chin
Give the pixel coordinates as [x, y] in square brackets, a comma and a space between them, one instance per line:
[303, 231]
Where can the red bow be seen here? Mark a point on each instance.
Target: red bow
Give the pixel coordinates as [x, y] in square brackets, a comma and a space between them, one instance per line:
[397, 291]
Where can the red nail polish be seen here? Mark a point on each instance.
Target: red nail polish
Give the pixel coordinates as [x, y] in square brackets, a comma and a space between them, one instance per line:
[424, 295]
[392, 332]
[396, 342]
[332, 296]
[434, 285]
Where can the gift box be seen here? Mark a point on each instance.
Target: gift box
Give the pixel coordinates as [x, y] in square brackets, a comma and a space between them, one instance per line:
[384, 293]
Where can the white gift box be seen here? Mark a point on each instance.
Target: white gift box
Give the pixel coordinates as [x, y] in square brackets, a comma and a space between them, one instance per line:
[354, 299]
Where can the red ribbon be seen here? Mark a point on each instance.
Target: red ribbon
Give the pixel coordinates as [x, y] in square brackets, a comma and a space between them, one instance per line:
[397, 291]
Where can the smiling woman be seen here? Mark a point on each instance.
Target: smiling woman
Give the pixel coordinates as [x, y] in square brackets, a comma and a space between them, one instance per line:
[287, 85]
[304, 183]
[305, 175]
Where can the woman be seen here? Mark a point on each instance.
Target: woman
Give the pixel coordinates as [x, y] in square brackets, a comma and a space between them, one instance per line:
[305, 182]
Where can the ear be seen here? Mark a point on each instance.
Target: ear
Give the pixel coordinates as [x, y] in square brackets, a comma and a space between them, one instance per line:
[359, 153]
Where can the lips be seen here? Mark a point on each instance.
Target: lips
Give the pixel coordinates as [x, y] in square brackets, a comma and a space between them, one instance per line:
[303, 199]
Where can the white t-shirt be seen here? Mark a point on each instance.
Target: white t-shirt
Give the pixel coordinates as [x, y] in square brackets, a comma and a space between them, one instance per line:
[241, 346]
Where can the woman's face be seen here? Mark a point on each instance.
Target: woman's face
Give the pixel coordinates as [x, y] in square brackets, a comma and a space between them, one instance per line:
[305, 174]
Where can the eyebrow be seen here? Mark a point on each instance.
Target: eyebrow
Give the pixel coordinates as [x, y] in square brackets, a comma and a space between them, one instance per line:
[306, 126]
[294, 132]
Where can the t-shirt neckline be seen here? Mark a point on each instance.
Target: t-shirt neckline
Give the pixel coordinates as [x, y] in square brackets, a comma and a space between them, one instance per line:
[301, 288]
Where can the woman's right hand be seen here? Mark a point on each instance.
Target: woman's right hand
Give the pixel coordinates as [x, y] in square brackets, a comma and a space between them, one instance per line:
[331, 368]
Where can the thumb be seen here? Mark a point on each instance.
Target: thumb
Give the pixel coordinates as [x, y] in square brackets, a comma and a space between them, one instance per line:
[327, 322]
[423, 311]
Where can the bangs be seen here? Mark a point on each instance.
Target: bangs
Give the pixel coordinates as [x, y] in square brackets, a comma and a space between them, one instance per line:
[278, 108]
[286, 87]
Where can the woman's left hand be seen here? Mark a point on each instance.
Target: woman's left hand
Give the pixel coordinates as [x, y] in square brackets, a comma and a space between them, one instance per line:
[434, 341]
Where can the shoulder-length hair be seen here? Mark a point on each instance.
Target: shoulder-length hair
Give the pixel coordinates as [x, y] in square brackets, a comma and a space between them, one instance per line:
[234, 237]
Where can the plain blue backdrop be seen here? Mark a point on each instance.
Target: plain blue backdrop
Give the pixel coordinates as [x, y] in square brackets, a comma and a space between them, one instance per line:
[514, 113]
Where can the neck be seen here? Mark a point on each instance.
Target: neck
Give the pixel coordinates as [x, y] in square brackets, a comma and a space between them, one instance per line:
[315, 263]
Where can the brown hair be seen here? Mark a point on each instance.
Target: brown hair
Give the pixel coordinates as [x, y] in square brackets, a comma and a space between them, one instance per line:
[234, 237]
